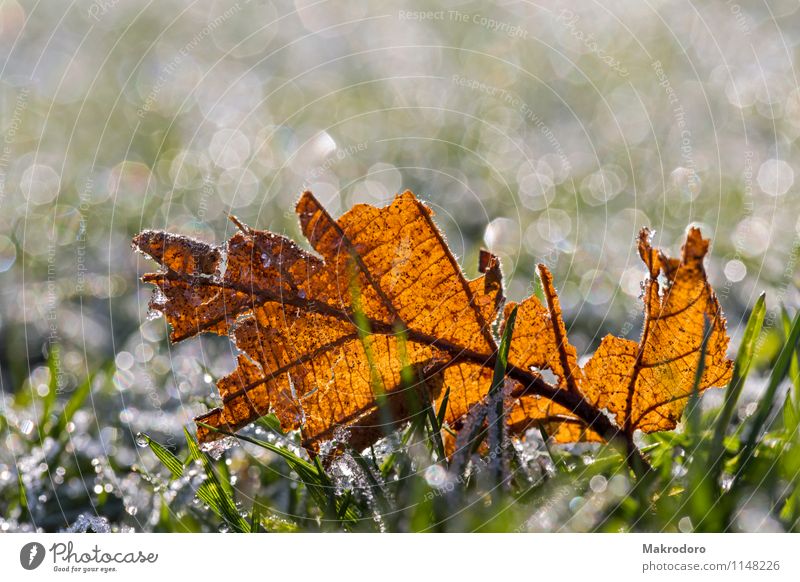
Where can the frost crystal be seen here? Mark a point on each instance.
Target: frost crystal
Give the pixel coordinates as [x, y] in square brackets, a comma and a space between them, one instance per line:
[216, 448]
[89, 524]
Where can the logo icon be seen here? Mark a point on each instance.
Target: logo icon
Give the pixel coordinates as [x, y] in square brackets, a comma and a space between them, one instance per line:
[31, 555]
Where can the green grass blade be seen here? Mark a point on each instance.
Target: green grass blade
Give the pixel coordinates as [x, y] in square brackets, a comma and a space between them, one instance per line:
[468, 440]
[167, 459]
[440, 416]
[794, 365]
[271, 423]
[23, 498]
[312, 475]
[699, 491]
[496, 428]
[779, 372]
[71, 407]
[375, 486]
[389, 463]
[692, 413]
[324, 491]
[434, 429]
[365, 336]
[52, 391]
[213, 493]
[255, 517]
[286, 454]
[344, 506]
[791, 407]
[741, 369]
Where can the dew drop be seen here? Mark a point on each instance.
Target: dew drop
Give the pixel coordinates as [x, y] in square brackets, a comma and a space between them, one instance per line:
[735, 270]
[598, 483]
[435, 475]
[141, 439]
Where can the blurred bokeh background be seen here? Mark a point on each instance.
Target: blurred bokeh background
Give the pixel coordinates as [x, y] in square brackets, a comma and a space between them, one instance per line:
[545, 131]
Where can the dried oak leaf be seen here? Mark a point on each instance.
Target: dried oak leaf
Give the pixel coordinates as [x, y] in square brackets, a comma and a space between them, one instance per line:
[319, 335]
[646, 385]
[293, 316]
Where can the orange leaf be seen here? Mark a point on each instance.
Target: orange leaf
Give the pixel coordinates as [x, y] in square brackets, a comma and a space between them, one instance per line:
[292, 316]
[646, 385]
[295, 318]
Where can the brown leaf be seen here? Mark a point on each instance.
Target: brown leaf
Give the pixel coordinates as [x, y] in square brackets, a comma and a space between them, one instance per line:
[292, 315]
[646, 385]
[384, 309]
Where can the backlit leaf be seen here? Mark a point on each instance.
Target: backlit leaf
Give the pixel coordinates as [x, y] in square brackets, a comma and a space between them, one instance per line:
[382, 313]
